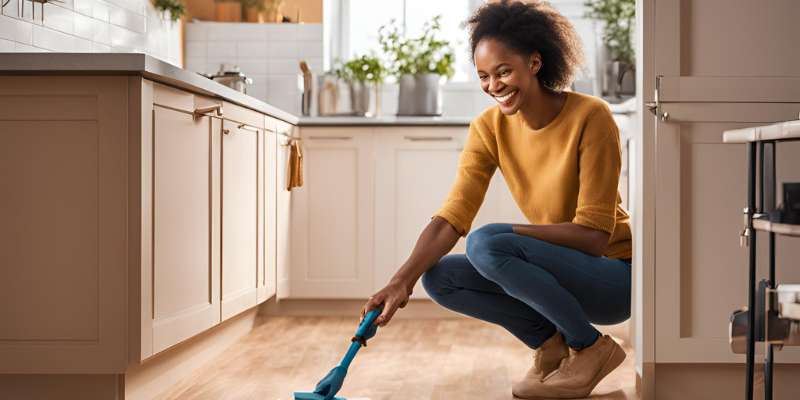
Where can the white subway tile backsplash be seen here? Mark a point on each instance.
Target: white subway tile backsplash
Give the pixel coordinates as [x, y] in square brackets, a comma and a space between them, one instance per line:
[253, 67]
[58, 18]
[84, 26]
[101, 11]
[250, 49]
[84, 7]
[281, 32]
[309, 32]
[316, 64]
[234, 31]
[309, 49]
[282, 66]
[197, 32]
[15, 30]
[102, 32]
[100, 48]
[7, 46]
[128, 19]
[282, 49]
[196, 64]
[24, 48]
[196, 50]
[222, 49]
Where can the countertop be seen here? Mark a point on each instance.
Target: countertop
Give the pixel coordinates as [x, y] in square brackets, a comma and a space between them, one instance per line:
[388, 120]
[132, 64]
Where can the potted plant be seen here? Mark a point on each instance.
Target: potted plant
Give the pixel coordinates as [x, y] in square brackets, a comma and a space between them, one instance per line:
[364, 75]
[618, 24]
[419, 65]
[175, 8]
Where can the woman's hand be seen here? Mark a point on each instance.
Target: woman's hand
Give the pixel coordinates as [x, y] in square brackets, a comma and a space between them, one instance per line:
[393, 296]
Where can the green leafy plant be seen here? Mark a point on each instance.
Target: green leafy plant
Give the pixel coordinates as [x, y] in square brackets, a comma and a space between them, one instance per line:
[366, 68]
[176, 8]
[419, 55]
[618, 17]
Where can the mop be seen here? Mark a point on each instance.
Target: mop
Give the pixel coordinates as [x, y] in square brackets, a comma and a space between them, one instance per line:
[329, 385]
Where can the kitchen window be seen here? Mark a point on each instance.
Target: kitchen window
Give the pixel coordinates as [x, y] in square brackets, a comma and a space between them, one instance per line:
[352, 26]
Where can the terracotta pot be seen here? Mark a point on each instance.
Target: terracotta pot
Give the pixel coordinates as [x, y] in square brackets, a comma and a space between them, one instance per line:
[253, 15]
[228, 11]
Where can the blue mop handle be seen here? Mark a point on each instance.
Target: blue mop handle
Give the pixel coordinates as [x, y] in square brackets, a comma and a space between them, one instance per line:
[360, 332]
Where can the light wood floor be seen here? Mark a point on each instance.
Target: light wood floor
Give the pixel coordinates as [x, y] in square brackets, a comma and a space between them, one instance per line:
[412, 359]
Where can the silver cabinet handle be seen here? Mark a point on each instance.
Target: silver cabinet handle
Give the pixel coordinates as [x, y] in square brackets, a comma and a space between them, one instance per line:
[206, 110]
[247, 128]
[429, 138]
[226, 131]
[330, 137]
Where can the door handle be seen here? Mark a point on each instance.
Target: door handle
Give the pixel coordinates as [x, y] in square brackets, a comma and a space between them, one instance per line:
[247, 128]
[198, 112]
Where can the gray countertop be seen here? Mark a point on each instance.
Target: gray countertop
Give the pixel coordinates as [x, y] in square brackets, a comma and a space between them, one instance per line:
[160, 71]
[388, 120]
[132, 64]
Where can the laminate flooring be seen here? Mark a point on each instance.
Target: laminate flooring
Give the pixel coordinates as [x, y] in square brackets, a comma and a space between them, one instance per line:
[409, 359]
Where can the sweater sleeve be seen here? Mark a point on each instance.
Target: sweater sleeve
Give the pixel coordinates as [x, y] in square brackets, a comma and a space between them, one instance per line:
[599, 163]
[475, 169]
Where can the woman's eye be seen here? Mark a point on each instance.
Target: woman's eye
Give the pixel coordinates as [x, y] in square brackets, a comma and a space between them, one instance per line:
[504, 72]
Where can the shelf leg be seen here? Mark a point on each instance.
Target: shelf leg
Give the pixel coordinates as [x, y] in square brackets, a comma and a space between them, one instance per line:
[751, 282]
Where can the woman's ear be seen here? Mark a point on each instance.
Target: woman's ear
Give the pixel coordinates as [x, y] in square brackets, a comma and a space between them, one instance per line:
[535, 63]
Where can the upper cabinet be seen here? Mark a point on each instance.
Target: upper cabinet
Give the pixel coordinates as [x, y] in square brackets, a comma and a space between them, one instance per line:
[332, 225]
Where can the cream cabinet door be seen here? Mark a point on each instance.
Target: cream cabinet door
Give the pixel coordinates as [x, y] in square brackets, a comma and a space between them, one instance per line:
[414, 170]
[332, 216]
[699, 275]
[239, 218]
[268, 217]
[283, 212]
[185, 281]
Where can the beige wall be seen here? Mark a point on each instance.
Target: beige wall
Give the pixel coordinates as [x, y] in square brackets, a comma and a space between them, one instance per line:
[310, 10]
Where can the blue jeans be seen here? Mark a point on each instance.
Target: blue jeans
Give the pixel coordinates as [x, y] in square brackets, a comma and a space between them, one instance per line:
[531, 287]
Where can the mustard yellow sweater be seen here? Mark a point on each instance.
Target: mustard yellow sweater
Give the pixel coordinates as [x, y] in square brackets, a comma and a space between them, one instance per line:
[567, 171]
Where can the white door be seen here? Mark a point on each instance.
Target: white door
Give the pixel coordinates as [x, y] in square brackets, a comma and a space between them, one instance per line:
[268, 217]
[724, 64]
[283, 213]
[239, 218]
[332, 242]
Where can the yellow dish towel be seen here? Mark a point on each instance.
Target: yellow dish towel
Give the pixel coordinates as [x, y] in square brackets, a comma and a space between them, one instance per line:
[295, 167]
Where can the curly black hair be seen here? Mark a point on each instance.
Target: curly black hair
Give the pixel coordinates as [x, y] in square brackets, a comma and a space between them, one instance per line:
[533, 26]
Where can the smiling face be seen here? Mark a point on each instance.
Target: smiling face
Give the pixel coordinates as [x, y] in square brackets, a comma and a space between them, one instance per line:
[506, 75]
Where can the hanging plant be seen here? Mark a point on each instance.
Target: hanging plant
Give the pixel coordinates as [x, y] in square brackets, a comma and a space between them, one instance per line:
[618, 18]
[176, 8]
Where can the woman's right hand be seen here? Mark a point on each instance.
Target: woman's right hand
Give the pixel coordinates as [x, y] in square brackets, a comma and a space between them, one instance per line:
[393, 296]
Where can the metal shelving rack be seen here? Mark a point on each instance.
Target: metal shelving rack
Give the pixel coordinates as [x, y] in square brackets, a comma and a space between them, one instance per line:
[770, 318]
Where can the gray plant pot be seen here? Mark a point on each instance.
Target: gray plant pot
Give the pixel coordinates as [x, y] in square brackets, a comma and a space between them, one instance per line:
[420, 94]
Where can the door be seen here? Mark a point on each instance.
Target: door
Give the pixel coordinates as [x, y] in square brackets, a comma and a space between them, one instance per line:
[239, 217]
[722, 64]
[269, 204]
[332, 242]
[283, 210]
[414, 169]
[185, 263]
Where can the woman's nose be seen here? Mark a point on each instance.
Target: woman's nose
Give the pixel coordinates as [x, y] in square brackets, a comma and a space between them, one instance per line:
[494, 85]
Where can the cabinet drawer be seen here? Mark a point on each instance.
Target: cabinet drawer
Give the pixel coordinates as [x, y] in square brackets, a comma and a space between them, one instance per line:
[179, 99]
[243, 115]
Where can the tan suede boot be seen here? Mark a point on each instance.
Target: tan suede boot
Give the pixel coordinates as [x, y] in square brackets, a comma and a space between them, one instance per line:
[582, 370]
[546, 359]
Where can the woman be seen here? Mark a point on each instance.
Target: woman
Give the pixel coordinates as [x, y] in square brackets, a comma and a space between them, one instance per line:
[545, 282]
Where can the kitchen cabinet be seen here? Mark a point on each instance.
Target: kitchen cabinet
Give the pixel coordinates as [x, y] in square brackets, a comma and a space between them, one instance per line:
[414, 170]
[268, 206]
[240, 220]
[369, 193]
[186, 226]
[332, 232]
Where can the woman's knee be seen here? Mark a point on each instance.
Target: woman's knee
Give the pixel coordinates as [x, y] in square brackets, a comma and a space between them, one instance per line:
[488, 254]
[478, 238]
[438, 280]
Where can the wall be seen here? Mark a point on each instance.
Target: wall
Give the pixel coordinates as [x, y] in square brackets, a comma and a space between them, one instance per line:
[270, 54]
[87, 26]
